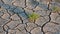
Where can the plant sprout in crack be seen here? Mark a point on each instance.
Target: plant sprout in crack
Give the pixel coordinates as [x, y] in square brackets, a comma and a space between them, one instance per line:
[32, 17]
[55, 9]
[57, 1]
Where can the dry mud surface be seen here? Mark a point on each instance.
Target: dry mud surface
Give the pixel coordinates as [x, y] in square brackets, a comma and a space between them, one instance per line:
[13, 17]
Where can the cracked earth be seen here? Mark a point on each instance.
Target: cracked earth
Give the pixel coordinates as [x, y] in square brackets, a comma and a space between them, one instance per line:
[14, 19]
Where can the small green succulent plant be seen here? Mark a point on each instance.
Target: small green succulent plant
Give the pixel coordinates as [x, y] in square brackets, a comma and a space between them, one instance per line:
[32, 17]
[55, 9]
[57, 1]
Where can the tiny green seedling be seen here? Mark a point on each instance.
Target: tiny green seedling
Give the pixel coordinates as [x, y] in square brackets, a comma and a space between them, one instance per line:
[55, 9]
[33, 17]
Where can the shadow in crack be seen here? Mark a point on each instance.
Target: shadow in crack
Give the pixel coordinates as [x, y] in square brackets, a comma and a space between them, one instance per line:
[17, 10]
[43, 6]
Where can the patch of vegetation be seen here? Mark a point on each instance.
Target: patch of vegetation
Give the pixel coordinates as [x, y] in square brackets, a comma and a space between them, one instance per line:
[55, 9]
[33, 17]
[57, 1]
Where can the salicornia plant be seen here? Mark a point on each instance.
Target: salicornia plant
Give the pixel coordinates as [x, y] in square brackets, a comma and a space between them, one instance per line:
[57, 1]
[55, 9]
[33, 17]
